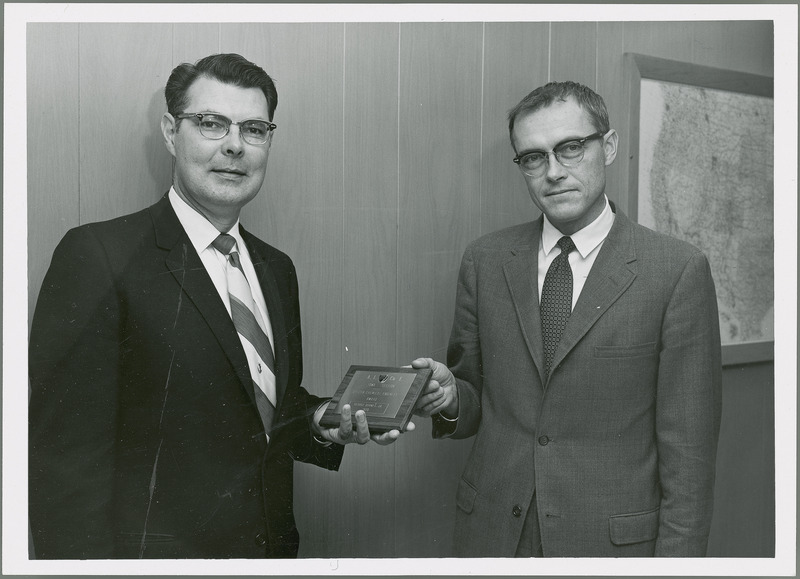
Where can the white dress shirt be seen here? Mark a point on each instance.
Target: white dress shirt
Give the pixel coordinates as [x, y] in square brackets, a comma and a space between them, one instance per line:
[201, 233]
[588, 242]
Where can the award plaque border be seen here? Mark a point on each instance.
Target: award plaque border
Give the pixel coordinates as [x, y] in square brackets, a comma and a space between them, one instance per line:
[379, 424]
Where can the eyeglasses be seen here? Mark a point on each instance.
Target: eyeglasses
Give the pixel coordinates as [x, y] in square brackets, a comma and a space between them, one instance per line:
[568, 153]
[215, 126]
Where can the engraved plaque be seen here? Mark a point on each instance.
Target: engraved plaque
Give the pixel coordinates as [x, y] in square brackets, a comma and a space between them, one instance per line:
[386, 394]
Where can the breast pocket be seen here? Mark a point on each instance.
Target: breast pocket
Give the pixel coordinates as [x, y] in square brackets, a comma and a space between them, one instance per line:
[624, 372]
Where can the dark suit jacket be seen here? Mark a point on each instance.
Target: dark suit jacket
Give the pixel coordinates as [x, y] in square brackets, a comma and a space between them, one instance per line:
[145, 440]
[620, 443]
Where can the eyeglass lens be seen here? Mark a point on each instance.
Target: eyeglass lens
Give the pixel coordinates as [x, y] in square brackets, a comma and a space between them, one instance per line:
[254, 132]
[568, 154]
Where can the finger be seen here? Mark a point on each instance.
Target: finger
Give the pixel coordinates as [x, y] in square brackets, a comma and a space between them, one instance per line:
[428, 409]
[432, 386]
[346, 424]
[441, 373]
[420, 363]
[430, 398]
[386, 438]
[432, 409]
[362, 430]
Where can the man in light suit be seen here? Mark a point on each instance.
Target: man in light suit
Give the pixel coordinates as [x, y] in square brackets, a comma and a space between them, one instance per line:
[166, 410]
[596, 429]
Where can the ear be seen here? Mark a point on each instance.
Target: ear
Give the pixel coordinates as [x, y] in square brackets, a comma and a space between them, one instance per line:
[168, 129]
[610, 143]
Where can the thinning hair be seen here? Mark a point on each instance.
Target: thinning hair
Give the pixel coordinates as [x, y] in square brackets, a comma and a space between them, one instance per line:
[546, 95]
[227, 68]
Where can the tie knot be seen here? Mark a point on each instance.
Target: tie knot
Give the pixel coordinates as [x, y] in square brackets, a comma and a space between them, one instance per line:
[566, 245]
[224, 243]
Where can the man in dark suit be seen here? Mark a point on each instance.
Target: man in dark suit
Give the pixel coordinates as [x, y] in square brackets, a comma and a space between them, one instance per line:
[166, 408]
[585, 360]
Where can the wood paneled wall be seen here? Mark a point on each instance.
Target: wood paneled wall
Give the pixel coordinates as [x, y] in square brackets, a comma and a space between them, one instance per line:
[391, 154]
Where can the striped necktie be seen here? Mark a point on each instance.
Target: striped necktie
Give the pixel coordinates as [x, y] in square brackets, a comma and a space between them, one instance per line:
[556, 302]
[250, 327]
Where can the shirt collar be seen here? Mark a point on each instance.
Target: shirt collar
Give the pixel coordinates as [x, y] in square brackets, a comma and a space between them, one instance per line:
[585, 240]
[199, 229]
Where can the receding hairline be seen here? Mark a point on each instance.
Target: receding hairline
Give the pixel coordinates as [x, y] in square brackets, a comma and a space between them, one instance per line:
[521, 115]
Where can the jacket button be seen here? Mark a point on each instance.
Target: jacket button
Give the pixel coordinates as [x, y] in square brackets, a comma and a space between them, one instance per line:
[516, 511]
[543, 440]
[261, 540]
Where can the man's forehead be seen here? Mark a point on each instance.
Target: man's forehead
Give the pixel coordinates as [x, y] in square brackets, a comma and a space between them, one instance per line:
[558, 120]
[211, 94]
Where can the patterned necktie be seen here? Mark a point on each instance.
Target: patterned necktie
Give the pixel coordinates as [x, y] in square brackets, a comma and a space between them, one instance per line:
[556, 303]
[250, 327]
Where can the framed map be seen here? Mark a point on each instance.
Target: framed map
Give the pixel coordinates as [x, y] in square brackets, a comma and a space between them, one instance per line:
[702, 171]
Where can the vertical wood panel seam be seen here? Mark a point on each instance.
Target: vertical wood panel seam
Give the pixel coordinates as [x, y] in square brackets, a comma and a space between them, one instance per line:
[597, 57]
[80, 133]
[549, 49]
[397, 217]
[480, 142]
[397, 503]
[625, 192]
[343, 122]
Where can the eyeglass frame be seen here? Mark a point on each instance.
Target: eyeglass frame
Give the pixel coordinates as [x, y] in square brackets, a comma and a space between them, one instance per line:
[199, 116]
[518, 158]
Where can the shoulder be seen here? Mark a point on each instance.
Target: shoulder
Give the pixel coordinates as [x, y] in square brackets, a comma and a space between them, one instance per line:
[653, 244]
[120, 233]
[262, 251]
[660, 260]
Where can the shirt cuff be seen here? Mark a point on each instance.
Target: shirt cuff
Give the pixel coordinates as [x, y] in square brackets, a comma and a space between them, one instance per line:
[443, 427]
[443, 417]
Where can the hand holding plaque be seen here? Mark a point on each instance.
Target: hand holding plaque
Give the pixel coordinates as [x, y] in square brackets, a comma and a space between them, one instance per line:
[440, 396]
[387, 395]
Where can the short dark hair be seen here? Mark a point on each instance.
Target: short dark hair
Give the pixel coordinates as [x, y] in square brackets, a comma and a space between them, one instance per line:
[545, 95]
[227, 68]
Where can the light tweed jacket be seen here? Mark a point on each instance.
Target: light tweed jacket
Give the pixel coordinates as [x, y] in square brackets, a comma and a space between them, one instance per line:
[620, 443]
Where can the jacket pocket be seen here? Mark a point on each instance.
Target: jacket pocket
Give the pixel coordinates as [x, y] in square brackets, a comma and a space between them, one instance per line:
[465, 496]
[633, 528]
[637, 350]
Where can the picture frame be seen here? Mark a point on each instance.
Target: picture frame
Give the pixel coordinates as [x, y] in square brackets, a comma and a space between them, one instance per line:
[747, 335]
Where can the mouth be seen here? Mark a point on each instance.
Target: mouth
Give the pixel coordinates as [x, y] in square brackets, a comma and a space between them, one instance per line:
[559, 192]
[229, 172]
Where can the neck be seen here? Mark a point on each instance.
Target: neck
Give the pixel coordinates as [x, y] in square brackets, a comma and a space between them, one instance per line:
[222, 218]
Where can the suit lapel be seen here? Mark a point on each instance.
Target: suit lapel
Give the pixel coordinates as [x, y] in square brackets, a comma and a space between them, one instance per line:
[521, 273]
[269, 288]
[186, 266]
[611, 274]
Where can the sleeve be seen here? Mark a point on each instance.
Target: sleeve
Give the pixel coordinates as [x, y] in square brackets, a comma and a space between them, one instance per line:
[297, 436]
[299, 433]
[73, 371]
[464, 356]
[688, 410]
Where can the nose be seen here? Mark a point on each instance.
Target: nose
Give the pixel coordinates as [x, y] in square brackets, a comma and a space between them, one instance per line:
[555, 170]
[232, 143]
